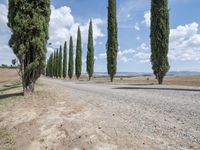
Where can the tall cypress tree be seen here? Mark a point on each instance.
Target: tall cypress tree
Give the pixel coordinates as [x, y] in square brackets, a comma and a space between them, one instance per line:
[47, 68]
[90, 52]
[54, 64]
[57, 63]
[29, 22]
[51, 65]
[112, 42]
[71, 59]
[65, 61]
[60, 63]
[78, 54]
[159, 38]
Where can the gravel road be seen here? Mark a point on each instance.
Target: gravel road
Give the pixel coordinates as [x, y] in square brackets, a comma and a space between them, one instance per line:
[118, 116]
[81, 115]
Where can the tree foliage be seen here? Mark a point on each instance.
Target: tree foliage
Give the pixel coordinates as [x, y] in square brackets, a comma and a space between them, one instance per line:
[112, 42]
[90, 52]
[29, 22]
[65, 60]
[78, 54]
[71, 59]
[159, 38]
[60, 63]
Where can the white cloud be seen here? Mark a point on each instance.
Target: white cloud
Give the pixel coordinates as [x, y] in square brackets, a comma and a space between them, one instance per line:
[126, 52]
[63, 24]
[185, 43]
[137, 26]
[3, 18]
[102, 56]
[147, 18]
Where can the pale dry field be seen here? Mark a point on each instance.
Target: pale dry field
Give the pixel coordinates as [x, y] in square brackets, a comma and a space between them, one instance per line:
[133, 113]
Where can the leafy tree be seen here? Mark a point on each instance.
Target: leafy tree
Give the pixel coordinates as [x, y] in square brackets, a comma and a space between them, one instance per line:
[51, 65]
[54, 64]
[47, 68]
[60, 63]
[112, 43]
[71, 59]
[57, 63]
[78, 54]
[65, 61]
[29, 22]
[90, 52]
[159, 38]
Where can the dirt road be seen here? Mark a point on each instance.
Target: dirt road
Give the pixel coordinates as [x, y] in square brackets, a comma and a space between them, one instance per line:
[101, 116]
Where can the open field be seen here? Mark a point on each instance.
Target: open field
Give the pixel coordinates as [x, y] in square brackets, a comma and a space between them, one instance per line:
[129, 114]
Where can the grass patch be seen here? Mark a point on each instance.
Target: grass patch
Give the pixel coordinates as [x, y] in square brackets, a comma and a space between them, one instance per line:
[10, 86]
[6, 139]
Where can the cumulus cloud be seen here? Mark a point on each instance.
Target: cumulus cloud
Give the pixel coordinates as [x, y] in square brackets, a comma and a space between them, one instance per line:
[140, 54]
[3, 18]
[63, 24]
[185, 43]
[137, 27]
[147, 18]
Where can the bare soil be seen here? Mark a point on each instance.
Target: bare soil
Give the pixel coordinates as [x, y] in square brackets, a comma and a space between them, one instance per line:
[98, 115]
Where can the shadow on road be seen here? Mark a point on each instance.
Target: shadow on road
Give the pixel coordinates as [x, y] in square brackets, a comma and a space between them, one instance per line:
[162, 89]
[10, 95]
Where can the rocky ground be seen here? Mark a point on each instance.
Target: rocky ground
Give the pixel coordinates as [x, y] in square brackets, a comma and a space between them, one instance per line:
[84, 115]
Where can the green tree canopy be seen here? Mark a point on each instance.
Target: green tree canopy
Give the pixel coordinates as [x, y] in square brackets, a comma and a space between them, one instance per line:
[112, 42]
[90, 52]
[159, 38]
[78, 54]
[29, 22]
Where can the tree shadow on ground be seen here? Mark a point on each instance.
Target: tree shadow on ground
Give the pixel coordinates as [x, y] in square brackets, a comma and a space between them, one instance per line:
[157, 88]
[3, 96]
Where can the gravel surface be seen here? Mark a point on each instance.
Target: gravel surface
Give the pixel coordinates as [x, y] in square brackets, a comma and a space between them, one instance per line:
[138, 117]
[81, 115]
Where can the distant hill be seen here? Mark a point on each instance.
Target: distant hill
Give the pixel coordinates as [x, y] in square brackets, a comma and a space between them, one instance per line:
[131, 74]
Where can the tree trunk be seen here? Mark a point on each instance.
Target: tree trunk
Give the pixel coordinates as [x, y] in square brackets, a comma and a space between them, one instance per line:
[160, 80]
[111, 78]
[28, 88]
[90, 78]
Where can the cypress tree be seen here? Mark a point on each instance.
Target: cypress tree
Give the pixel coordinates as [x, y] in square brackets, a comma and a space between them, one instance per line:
[65, 61]
[54, 64]
[51, 65]
[29, 22]
[90, 52]
[112, 42]
[71, 59]
[159, 38]
[57, 64]
[78, 54]
[60, 63]
[47, 68]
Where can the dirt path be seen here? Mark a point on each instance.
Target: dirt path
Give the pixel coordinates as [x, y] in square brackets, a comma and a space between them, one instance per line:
[82, 115]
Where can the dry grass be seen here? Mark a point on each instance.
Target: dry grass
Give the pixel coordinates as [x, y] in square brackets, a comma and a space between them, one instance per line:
[6, 139]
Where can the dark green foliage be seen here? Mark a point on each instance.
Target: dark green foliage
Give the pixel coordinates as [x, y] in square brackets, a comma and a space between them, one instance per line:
[159, 38]
[47, 68]
[57, 64]
[112, 43]
[71, 59]
[60, 63]
[29, 22]
[51, 65]
[54, 64]
[78, 54]
[90, 52]
[65, 61]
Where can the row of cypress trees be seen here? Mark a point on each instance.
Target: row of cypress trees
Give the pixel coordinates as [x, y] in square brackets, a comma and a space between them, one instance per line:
[57, 62]
[159, 45]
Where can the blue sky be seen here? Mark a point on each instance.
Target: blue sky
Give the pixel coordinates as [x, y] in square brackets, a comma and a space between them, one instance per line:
[133, 22]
